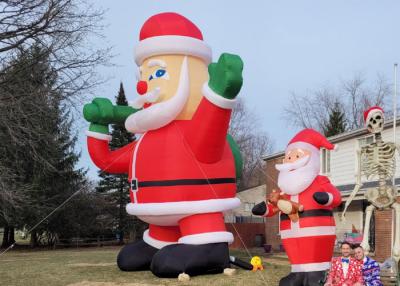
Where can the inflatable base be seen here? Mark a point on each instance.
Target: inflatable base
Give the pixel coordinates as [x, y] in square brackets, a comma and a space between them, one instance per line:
[312, 278]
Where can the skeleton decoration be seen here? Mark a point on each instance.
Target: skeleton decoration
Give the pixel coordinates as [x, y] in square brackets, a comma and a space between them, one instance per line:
[377, 160]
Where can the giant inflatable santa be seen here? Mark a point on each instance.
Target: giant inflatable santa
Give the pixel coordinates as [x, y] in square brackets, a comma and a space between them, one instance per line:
[182, 169]
[305, 204]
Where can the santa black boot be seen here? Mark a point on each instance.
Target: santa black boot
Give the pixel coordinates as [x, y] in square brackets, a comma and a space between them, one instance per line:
[293, 279]
[314, 278]
[136, 256]
[175, 259]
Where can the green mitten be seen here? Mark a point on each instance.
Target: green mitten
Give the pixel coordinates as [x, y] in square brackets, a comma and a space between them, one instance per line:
[226, 75]
[101, 112]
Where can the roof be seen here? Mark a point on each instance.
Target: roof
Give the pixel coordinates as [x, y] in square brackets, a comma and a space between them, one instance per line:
[338, 138]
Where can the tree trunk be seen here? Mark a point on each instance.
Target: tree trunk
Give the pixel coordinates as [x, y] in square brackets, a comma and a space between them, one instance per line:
[121, 213]
[34, 242]
[6, 242]
[11, 235]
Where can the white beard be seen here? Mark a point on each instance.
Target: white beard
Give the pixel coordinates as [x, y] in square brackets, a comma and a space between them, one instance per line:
[296, 177]
[160, 114]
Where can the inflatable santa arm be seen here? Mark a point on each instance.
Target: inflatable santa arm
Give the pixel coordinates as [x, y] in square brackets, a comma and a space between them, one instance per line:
[265, 209]
[327, 195]
[210, 123]
[100, 113]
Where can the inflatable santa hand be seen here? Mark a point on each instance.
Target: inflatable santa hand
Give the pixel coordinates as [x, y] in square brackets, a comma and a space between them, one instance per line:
[102, 112]
[259, 209]
[323, 198]
[226, 75]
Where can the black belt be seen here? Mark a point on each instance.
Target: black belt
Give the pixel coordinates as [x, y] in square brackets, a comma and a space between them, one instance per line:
[310, 213]
[183, 182]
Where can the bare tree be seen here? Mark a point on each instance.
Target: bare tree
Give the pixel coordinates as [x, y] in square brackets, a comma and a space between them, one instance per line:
[253, 144]
[63, 29]
[58, 33]
[312, 109]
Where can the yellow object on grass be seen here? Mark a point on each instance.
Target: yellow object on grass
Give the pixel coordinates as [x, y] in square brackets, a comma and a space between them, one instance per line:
[257, 263]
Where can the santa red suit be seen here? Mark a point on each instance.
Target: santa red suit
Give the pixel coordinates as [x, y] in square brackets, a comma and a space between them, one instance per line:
[182, 175]
[309, 242]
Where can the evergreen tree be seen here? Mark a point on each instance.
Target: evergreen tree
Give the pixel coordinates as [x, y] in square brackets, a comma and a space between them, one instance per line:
[116, 187]
[336, 123]
[37, 150]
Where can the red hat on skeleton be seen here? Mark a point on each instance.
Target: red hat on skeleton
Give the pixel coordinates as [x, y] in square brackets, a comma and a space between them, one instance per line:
[368, 113]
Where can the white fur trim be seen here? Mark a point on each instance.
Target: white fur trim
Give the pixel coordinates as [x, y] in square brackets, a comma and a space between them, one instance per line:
[172, 45]
[217, 99]
[335, 147]
[155, 242]
[207, 237]
[133, 170]
[372, 112]
[308, 231]
[307, 267]
[184, 207]
[98, 135]
[302, 145]
[330, 200]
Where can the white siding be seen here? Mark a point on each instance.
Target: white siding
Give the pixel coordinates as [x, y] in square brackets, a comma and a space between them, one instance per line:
[387, 135]
[343, 161]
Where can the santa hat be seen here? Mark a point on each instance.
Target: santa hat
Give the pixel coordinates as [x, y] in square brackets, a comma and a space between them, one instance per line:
[371, 111]
[171, 33]
[311, 140]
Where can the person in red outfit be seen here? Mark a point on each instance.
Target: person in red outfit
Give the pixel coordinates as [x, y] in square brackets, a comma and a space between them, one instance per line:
[308, 241]
[345, 270]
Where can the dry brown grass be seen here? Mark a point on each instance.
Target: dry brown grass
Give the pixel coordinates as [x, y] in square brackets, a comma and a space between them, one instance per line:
[97, 267]
[88, 283]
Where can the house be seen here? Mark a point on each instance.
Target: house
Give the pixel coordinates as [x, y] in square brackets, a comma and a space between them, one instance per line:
[248, 198]
[247, 229]
[340, 166]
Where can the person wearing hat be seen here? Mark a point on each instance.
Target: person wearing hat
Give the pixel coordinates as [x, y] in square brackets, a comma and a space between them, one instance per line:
[308, 241]
[182, 169]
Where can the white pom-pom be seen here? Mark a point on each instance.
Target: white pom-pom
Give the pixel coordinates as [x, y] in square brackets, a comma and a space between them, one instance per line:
[183, 277]
[229, 271]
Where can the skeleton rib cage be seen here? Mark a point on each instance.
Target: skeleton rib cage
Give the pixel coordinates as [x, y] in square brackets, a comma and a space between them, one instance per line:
[378, 159]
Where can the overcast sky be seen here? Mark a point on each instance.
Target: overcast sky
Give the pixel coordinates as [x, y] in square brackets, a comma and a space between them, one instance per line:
[285, 45]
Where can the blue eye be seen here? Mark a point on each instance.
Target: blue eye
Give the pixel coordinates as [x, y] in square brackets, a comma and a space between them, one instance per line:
[158, 74]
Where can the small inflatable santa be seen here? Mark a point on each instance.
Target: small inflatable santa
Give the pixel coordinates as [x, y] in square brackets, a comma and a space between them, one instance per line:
[308, 235]
[182, 170]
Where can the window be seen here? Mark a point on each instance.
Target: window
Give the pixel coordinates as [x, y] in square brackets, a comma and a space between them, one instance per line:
[248, 206]
[325, 161]
[365, 140]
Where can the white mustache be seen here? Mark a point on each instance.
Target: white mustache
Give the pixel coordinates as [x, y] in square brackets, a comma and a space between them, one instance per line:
[293, 166]
[149, 97]
[162, 113]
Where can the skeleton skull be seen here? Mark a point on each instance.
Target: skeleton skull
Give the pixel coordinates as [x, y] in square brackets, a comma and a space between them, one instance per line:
[375, 122]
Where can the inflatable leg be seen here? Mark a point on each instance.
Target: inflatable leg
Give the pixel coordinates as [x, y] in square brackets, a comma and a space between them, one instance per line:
[203, 248]
[137, 256]
[293, 279]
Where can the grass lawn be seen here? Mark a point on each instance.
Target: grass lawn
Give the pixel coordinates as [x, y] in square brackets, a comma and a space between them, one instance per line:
[97, 267]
